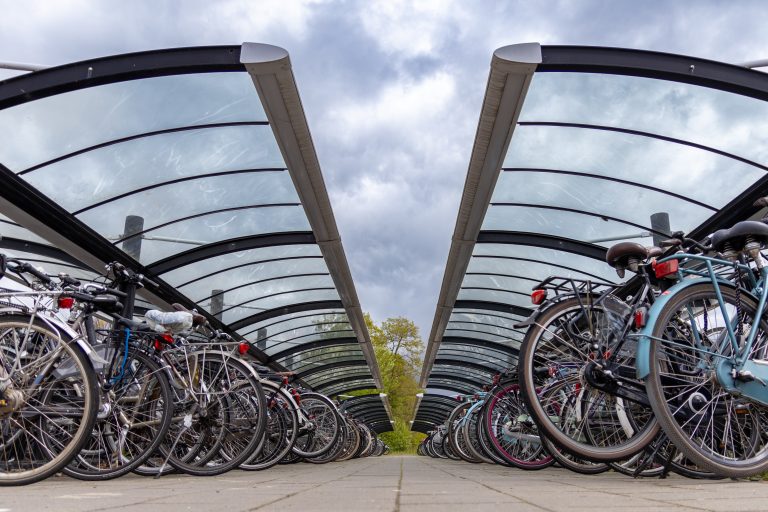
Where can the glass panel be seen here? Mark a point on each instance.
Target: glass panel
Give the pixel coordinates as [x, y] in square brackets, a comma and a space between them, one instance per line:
[485, 316]
[539, 268]
[500, 297]
[277, 301]
[51, 266]
[510, 284]
[265, 291]
[683, 111]
[302, 362]
[471, 333]
[295, 363]
[50, 127]
[173, 202]
[273, 347]
[295, 320]
[461, 371]
[353, 384]
[9, 229]
[107, 172]
[318, 379]
[319, 326]
[506, 332]
[182, 275]
[216, 227]
[496, 361]
[315, 354]
[659, 163]
[263, 272]
[628, 203]
[487, 320]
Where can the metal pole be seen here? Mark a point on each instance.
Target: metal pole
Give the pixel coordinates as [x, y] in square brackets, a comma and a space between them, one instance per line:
[132, 246]
[261, 339]
[19, 66]
[217, 303]
[660, 222]
[761, 63]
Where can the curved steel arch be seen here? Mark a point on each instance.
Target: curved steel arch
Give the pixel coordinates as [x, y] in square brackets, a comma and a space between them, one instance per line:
[118, 68]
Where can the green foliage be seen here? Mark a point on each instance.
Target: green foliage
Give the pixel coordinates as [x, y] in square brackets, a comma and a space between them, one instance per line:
[398, 348]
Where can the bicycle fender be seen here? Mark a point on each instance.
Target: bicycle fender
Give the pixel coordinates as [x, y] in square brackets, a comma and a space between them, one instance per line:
[643, 356]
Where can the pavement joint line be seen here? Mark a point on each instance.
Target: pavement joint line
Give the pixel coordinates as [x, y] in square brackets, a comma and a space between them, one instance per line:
[399, 486]
[291, 495]
[527, 502]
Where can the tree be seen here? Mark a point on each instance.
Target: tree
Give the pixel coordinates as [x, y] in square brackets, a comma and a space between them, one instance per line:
[398, 348]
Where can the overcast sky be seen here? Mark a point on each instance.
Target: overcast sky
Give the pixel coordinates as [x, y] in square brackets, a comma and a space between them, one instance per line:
[392, 91]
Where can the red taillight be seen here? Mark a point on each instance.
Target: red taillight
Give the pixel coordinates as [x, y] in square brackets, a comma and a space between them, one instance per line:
[538, 296]
[158, 345]
[66, 302]
[641, 318]
[243, 348]
[167, 338]
[666, 268]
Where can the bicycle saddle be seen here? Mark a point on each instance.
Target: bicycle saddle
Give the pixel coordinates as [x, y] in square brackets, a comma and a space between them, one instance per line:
[618, 255]
[737, 235]
[197, 318]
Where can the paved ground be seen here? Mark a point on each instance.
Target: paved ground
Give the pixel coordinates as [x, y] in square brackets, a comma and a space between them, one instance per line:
[389, 484]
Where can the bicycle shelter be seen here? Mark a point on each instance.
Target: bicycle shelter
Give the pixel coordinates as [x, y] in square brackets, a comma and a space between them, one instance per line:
[196, 168]
[578, 148]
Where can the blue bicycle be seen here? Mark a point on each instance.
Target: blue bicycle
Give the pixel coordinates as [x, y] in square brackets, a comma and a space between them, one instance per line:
[704, 352]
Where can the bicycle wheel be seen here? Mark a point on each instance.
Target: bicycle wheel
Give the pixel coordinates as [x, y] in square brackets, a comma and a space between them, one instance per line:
[351, 442]
[325, 423]
[471, 437]
[228, 422]
[279, 435]
[50, 396]
[134, 417]
[456, 433]
[568, 461]
[715, 429]
[511, 430]
[582, 420]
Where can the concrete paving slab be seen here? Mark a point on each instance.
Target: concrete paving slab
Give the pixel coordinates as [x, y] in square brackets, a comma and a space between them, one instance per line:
[389, 484]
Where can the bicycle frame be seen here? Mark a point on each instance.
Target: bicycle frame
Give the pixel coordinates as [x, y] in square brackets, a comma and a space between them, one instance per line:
[727, 367]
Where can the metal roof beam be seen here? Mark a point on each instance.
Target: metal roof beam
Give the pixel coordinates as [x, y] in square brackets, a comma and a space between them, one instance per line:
[270, 69]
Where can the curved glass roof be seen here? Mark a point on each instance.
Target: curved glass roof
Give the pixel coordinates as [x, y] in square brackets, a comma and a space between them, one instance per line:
[195, 167]
[579, 148]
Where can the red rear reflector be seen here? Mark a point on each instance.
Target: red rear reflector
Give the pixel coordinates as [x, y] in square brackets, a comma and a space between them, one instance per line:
[243, 348]
[66, 302]
[158, 345]
[666, 268]
[538, 296]
[167, 338]
[640, 318]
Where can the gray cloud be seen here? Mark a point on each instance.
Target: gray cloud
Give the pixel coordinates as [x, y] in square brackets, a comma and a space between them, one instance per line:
[392, 92]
